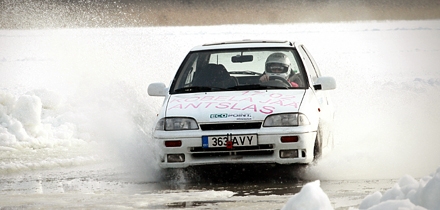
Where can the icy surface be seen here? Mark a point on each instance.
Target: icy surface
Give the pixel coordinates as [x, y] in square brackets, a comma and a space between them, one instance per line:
[75, 97]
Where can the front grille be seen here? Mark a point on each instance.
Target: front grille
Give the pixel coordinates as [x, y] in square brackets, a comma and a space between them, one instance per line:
[257, 147]
[242, 153]
[230, 126]
[259, 150]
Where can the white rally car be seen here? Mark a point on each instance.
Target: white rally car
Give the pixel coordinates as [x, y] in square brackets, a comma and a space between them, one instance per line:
[244, 102]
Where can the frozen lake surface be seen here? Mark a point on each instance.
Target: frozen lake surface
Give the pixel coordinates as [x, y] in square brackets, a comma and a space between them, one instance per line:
[75, 118]
[103, 187]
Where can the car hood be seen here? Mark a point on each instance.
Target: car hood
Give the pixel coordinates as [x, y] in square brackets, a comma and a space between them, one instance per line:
[233, 106]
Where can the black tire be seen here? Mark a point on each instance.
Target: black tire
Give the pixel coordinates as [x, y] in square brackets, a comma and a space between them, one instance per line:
[172, 174]
[290, 171]
[317, 149]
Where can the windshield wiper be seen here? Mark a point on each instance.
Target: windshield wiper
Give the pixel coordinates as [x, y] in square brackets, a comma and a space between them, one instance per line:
[198, 89]
[257, 87]
[192, 89]
[245, 72]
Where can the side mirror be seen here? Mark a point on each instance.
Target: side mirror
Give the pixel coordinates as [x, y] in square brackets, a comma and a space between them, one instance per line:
[157, 89]
[325, 83]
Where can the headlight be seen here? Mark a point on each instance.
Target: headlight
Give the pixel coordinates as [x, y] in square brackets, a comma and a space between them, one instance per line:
[177, 123]
[281, 120]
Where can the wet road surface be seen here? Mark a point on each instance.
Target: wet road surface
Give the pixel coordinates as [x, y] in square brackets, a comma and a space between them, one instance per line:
[103, 187]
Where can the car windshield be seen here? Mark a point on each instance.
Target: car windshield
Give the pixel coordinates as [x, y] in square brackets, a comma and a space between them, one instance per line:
[240, 69]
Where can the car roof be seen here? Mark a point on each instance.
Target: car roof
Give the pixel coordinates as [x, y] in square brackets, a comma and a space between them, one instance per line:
[246, 43]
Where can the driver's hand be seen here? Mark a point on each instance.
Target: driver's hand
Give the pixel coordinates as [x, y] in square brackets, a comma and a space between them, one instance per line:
[264, 78]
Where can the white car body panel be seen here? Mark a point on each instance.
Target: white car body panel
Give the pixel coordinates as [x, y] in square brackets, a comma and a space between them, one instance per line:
[244, 107]
[238, 105]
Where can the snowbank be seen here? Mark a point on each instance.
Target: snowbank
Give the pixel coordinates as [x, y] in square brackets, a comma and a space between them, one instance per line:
[406, 194]
[36, 120]
[311, 196]
[38, 130]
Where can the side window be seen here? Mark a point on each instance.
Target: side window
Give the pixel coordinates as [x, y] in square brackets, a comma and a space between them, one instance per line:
[310, 67]
[315, 66]
[185, 76]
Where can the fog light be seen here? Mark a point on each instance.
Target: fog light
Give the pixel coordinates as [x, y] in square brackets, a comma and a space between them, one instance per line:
[288, 153]
[286, 139]
[303, 153]
[175, 158]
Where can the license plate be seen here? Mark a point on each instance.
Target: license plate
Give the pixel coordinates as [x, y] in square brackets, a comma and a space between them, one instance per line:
[222, 141]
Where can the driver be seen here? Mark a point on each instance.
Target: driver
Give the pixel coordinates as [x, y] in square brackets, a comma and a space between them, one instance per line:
[278, 65]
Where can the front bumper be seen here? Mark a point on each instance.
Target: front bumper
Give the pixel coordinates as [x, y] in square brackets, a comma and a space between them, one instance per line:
[270, 149]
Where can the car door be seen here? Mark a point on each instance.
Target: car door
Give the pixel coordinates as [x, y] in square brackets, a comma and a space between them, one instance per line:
[326, 107]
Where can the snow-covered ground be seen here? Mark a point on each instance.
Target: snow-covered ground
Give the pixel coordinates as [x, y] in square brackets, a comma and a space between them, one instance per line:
[77, 97]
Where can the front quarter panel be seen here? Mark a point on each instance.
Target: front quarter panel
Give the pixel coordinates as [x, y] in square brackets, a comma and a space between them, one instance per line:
[310, 107]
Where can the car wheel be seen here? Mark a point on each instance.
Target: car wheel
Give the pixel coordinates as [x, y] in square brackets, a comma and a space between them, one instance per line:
[172, 174]
[317, 149]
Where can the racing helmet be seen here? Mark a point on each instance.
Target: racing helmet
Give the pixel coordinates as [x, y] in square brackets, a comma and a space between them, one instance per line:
[277, 65]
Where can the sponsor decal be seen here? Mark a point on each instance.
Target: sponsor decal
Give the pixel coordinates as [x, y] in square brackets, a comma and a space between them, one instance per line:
[218, 116]
[226, 116]
[248, 101]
